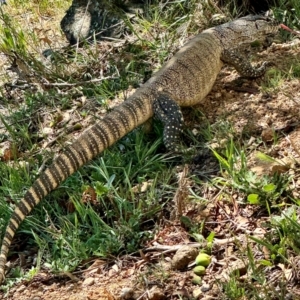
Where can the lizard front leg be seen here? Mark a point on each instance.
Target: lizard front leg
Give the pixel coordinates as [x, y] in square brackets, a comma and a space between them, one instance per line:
[242, 65]
[169, 113]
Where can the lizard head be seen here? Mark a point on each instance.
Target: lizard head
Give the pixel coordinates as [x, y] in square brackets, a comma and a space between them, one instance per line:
[261, 25]
[246, 30]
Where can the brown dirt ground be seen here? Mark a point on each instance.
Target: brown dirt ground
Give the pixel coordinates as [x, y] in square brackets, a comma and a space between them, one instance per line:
[250, 110]
[254, 111]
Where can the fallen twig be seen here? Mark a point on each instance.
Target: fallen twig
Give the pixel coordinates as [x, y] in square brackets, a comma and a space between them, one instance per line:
[67, 84]
[216, 242]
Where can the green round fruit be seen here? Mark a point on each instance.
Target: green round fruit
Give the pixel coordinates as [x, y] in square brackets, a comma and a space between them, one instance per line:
[199, 270]
[203, 259]
[196, 280]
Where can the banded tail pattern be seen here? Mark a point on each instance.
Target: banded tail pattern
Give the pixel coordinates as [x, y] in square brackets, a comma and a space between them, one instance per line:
[92, 142]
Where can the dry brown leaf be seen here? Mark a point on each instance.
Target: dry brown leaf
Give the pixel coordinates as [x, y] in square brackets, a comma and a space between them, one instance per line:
[267, 135]
[89, 195]
[142, 187]
[241, 221]
[8, 154]
[288, 273]
[46, 40]
[279, 169]
[9, 151]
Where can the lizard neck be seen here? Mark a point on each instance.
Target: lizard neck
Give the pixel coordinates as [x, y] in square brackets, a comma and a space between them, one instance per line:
[233, 34]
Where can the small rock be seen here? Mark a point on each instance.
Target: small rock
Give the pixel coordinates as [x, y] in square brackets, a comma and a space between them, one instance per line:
[47, 131]
[70, 287]
[267, 135]
[195, 132]
[156, 294]
[197, 293]
[127, 294]
[21, 288]
[205, 287]
[183, 257]
[88, 281]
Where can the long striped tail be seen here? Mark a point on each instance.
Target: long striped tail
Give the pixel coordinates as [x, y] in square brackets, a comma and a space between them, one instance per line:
[92, 142]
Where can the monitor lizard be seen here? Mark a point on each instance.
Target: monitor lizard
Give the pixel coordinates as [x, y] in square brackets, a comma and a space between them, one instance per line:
[183, 81]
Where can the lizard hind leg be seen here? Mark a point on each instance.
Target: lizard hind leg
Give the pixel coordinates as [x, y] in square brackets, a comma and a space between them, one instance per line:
[242, 65]
[169, 113]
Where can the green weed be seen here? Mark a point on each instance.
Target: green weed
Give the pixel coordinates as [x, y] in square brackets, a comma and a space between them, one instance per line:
[258, 189]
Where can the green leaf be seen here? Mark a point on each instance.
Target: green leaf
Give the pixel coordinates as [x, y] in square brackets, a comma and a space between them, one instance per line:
[269, 188]
[253, 199]
[211, 237]
[101, 189]
[265, 262]
[198, 237]
[186, 221]
[265, 158]
[221, 160]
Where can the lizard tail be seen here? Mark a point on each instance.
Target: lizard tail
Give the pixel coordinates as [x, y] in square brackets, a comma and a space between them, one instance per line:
[92, 142]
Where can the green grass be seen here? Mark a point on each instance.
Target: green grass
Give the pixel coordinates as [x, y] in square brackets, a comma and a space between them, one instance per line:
[101, 211]
[275, 77]
[118, 221]
[282, 243]
[258, 189]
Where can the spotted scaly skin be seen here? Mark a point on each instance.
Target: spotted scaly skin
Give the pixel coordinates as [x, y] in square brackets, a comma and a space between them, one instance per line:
[183, 81]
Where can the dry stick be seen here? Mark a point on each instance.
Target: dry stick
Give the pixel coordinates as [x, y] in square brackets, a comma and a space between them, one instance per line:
[66, 84]
[159, 247]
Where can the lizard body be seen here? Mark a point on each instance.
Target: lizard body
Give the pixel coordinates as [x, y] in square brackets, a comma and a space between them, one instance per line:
[183, 81]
